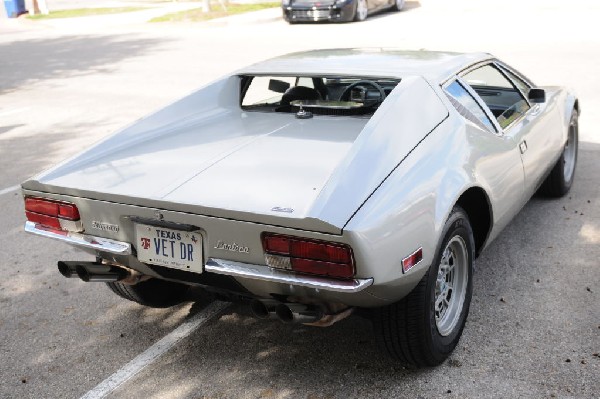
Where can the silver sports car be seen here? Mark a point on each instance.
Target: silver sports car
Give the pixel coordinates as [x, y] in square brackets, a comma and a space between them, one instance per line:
[316, 184]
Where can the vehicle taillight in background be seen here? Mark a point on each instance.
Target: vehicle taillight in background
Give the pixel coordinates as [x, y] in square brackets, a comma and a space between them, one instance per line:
[308, 256]
[56, 215]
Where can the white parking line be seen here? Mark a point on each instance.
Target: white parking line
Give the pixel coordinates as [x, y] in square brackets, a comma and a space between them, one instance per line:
[155, 351]
[9, 190]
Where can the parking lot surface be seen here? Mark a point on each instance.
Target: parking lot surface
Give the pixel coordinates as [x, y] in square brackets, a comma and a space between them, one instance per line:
[534, 324]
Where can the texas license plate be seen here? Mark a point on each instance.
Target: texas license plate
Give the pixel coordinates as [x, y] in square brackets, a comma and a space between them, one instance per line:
[171, 248]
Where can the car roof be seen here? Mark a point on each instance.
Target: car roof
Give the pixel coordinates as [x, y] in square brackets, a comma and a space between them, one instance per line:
[435, 66]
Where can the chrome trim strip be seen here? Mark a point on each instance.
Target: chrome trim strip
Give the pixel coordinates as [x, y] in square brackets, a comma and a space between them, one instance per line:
[266, 273]
[82, 240]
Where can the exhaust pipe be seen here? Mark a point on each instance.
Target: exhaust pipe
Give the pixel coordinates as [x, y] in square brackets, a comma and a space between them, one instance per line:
[67, 269]
[100, 273]
[264, 309]
[92, 271]
[298, 313]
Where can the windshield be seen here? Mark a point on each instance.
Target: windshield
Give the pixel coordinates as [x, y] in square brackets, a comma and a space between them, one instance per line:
[322, 95]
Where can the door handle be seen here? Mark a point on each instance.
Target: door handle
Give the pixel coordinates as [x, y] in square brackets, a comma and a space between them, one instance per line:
[523, 146]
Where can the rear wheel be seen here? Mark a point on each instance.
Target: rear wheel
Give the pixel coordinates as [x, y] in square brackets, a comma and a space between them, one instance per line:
[423, 328]
[560, 179]
[154, 293]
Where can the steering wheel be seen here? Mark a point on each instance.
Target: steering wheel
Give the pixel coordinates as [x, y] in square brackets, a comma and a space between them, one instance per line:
[346, 93]
[509, 112]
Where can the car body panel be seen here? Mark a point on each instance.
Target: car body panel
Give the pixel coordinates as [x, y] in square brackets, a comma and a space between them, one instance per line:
[540, 131]
[410, 112]
[228, 163]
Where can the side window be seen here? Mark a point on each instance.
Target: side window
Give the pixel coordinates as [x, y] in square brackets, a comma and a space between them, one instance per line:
[499, 94]
[524, 87]
[468, 107]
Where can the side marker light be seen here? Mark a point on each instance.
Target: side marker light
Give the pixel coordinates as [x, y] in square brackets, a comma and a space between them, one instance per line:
[412, 260]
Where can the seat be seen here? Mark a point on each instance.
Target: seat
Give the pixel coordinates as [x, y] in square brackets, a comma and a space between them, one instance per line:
[299, 93]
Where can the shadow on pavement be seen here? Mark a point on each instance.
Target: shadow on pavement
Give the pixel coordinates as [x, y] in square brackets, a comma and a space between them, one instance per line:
[5, 129]
[28, 61]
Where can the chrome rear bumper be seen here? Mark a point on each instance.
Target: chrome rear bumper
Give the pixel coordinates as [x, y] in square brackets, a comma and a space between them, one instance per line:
[82, 240]
[213, 265]
[266, 273]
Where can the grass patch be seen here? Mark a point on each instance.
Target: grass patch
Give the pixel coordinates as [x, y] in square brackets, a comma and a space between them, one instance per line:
[196, 15]
[84, 12]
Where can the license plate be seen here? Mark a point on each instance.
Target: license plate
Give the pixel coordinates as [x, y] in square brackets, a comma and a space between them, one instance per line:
[171, 248]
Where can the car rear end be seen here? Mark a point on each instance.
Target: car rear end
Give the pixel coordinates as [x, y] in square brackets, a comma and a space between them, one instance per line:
[318, 11]
[237, 259]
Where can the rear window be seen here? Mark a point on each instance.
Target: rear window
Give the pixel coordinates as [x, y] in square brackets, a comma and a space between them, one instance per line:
[316, 94]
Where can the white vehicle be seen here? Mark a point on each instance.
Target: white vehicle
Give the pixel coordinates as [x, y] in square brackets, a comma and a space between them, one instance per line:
[318, 183]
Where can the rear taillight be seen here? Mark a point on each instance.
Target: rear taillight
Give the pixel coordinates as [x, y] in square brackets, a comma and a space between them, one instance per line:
[308, 256]
[52, 214]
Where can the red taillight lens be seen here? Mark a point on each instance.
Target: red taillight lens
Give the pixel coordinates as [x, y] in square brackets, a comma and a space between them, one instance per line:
[52, 208]
[279, 245]
[310, 256]
[44, 207]
[68, 211]
[44, 220]
[320, 251]
[339, 270]
[49, 213]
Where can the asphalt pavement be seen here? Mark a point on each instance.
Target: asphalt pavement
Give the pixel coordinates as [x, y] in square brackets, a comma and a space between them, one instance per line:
[534, 326]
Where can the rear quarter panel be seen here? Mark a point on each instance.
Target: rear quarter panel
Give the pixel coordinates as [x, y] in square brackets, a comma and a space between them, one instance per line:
[409, 209]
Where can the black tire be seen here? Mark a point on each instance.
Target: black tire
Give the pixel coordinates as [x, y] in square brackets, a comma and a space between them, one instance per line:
[154, 293]
[557, 184]
[358, 17]
[407, 330]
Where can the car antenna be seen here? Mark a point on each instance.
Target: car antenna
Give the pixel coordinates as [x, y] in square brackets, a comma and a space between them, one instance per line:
[302, 114]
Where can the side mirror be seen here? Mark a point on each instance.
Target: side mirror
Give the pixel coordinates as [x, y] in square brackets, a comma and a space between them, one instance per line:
[278, 86]
[537, 96]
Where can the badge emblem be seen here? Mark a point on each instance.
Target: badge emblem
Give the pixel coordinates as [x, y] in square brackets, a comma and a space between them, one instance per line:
[233, 247]
[105, 226]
